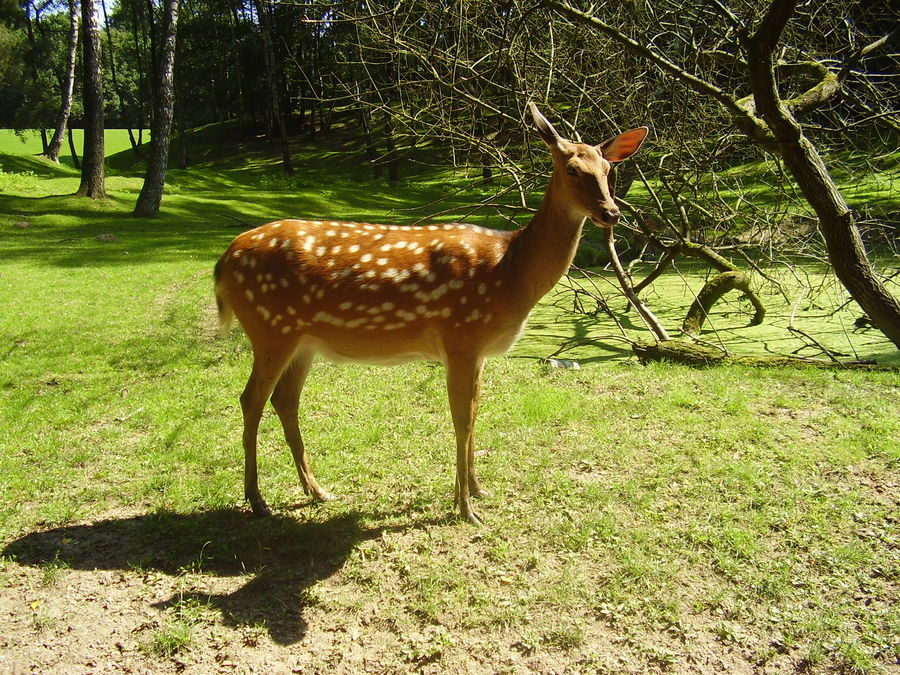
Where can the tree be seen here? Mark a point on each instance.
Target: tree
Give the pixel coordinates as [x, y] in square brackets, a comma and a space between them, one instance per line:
[92, 169]
[11, 61]
[771, 123]
[68, 86]
[265, 10]
[150, 198]
[836, 220]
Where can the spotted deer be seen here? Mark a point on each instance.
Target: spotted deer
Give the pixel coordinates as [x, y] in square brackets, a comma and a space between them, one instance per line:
[387, 294]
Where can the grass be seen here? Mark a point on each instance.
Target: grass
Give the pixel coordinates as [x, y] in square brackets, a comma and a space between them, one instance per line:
[642, 519]
[168, 640]
[26, 143]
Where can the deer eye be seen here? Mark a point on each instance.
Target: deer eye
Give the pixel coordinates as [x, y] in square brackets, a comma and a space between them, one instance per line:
[571, 170]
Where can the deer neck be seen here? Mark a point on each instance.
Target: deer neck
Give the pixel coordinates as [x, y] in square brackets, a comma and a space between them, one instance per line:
[543, 250]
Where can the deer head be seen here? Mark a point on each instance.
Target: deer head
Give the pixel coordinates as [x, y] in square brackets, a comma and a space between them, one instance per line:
[581, 171]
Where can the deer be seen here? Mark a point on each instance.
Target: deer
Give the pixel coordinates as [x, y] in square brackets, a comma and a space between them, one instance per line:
[387, 294]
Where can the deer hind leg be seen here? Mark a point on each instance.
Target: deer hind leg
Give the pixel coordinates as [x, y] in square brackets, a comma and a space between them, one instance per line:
[267, 369]
[463, 389]
[286, 401]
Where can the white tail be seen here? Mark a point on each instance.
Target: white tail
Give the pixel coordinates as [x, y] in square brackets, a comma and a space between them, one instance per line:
[387, 294]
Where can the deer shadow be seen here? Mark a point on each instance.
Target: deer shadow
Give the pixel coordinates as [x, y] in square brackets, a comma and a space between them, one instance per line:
[281, 557]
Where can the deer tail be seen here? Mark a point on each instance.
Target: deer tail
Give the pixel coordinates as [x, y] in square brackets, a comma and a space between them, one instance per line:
[226, 314]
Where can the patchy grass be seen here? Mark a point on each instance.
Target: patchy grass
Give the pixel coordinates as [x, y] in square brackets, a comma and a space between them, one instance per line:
[643, 519]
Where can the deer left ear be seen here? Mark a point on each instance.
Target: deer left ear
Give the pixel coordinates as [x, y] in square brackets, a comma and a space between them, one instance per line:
[545, 130]
[624, 145]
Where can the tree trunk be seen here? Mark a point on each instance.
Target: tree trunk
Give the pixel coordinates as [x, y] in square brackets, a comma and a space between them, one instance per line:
[836, 221]
[92, 170]
[68, 88]
[150, 198]
[238, 82]
[115, 80]
[267, 22]
[371, 153]
[702, 356]
[393, 164]
[154, 55]
[773, 127]
[75, 161]
[138, 51]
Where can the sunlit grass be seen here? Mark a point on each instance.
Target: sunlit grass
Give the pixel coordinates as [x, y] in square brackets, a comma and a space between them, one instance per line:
[29, 143]
[636, 511]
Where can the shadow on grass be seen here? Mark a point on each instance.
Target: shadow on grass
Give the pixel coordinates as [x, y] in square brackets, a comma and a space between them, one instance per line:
[199, 219]
[281, 557]
[34, 164]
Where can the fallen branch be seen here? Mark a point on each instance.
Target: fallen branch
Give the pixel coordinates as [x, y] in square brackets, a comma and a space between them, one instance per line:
[698, 355]
[714, 289]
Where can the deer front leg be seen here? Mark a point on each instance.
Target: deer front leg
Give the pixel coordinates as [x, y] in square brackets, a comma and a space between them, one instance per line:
[475, 488]
[267, 368]
[463, 389]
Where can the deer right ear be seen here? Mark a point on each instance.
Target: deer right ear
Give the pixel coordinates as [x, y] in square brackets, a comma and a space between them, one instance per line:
[624, 145]
[546, 131]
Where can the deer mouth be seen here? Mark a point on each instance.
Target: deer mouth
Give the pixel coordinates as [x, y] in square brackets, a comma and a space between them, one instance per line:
[603, 223]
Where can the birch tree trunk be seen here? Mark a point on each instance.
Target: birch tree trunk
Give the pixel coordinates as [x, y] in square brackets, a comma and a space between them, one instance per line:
[55, 145]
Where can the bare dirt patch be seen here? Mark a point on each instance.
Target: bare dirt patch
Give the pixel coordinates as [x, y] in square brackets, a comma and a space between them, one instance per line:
[223, 592]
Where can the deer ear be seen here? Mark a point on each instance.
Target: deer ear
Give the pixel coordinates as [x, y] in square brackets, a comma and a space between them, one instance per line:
[546, 131]
[624, 145]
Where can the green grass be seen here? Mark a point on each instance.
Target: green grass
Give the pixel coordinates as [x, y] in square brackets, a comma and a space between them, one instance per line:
[643, 518]
[26, 143]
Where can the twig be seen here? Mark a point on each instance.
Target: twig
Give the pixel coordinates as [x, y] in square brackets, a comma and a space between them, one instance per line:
[827, 352]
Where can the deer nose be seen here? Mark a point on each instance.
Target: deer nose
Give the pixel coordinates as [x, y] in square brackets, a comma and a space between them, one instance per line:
[610, 214]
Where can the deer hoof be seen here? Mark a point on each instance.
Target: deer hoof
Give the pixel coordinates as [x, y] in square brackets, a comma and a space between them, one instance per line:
[260, 508]
[468, 514]
[475, 519]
